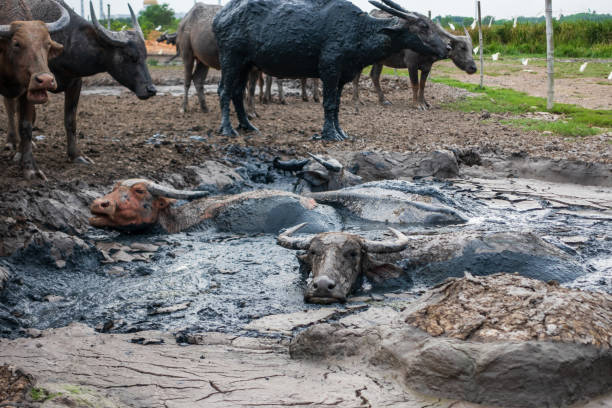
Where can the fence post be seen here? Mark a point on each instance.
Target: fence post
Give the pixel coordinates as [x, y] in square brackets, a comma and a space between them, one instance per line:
[429, 14]
[550, 56]
[480, 47]
[82, 8]
[108, 16]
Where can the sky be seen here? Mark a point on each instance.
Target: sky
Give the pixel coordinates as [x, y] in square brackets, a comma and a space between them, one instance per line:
[497, 8]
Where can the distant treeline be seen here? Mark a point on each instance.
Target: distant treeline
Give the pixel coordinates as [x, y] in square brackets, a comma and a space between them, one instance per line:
[574, 36]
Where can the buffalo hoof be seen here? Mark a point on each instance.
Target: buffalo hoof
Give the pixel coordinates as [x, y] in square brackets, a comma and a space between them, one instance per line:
[227, 131]
[386, 103]
[282, 102]
[10, 146]
[204, 109]
[17, 157]
[252, 115]
[332, 136]
[247, 127]
[81, 159]
[317, 100]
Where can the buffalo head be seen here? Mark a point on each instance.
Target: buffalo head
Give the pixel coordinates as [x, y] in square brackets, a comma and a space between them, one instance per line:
[338, 259]
[135, 204]
[125, 55]
[26, 47]
[461, 50]
[415, 30]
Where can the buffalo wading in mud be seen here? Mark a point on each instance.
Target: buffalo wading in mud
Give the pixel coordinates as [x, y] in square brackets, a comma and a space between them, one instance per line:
[25, 77]
[139, 204]
[331, 40]
[460, 53]
[338, 259]
[89, 49]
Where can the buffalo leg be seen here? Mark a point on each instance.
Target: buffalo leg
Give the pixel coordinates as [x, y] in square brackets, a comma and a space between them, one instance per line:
[413, 72]
[330, 106]
[281, 93]
[375, 75]
[268, 92]
[71, 104]
[224, 89]
[199, 78]
[26, 118]
[260, 82]
[11, 136]
[315, 90]
[188, 61]
[423, 104]
[304, 93]
[254, 77]
[238, 100]
[356, 100]
[337, 111]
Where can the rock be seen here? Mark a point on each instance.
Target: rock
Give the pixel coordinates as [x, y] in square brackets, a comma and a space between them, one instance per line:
[57, 248]
[4, 276]
[53, 298]
[217, 178]
[286, 323]
[170, 309]
[440, 164]
[142, 247]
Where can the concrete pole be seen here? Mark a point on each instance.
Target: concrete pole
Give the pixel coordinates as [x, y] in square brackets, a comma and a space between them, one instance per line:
[108, 16]
[429, 14]
[101, 11]
[480, 47]
[550, 56]
[83, 8]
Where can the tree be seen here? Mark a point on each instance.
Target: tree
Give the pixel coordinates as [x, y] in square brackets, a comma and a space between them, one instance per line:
[157, 15]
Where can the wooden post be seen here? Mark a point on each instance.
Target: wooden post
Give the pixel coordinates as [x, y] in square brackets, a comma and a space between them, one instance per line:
[550, 56]
[480, 47]
[429, 14]
[108, 16]
[101, 16]
[83, 8]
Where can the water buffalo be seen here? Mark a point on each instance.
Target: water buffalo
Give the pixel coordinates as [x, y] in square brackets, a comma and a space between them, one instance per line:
[25, 77]
[338, 259]
[325, 174]
[167, 38]
[267, 96]
[460, 53]
[138, 204]
[331, 40]
[89, 48]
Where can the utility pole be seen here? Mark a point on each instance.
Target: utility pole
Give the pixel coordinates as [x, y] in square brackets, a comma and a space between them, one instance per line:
[101, 11]
[108, 16]
[480, 47]
[550, 56]
[83, 8]
[429, 14]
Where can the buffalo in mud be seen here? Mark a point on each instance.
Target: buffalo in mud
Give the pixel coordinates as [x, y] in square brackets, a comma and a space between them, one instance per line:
[460, 53]
[338, 259]
[25, 77]
[89, 48]
[310, 39]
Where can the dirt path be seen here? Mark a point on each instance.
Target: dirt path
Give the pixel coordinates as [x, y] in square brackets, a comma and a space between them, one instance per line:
[592, 93]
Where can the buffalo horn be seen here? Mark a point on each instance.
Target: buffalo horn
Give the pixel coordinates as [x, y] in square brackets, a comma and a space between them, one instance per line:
[135, 23]
[114, 38]
[162, 191]
[61, 22]
[448, 35]
[394, 12]
[467, 34]
[287, 241]
[398, 244]
[331, 165]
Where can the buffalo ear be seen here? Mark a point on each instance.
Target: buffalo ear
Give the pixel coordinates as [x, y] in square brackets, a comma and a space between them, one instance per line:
[314, 178]
[378, 271]
[162, 202]
[391, 31]
[55, 50]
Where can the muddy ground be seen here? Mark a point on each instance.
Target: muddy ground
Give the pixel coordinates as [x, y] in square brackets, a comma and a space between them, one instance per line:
[118, 132]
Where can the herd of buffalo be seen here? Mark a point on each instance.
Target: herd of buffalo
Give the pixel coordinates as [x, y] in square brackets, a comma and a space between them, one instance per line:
[47, 47]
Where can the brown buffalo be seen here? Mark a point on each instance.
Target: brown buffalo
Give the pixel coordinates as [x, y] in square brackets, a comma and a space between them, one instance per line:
[338, 259]
[25, 49]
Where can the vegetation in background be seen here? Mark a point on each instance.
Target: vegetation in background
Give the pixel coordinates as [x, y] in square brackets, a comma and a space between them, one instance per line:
[149, 19]
[581, 35]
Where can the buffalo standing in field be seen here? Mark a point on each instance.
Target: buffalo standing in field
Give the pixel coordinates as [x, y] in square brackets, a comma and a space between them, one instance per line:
[25, 48]
[460, 53]
[331, 40]
[89, 49]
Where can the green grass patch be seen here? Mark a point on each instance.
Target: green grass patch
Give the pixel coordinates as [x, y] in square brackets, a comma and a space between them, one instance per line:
[577, 121]
[41, 395]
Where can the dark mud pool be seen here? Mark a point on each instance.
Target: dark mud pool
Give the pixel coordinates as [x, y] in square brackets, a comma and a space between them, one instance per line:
[211, 280]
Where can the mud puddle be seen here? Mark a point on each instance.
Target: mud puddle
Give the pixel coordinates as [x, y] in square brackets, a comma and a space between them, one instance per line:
[289, 88]
[208, 280]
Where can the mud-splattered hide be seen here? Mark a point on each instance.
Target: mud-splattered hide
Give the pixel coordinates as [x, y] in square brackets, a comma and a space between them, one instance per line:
[338, 259]
[25, 49]
[325, 174]
[135, 204]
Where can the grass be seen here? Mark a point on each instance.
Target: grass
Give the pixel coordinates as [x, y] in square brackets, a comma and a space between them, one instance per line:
[576, 120]
[41, 395]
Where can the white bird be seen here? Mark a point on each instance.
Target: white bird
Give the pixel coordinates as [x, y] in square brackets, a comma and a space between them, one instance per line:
[158, 28]
[123, 28]
[476, 49]
[514, 25]
[452, 26]
[495, 56]
[473, 26]
[610, 76]
[583, 67]
[491, 21]
[525, 61]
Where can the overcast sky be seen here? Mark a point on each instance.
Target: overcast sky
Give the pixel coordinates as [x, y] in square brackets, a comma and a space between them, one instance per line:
[497, 8]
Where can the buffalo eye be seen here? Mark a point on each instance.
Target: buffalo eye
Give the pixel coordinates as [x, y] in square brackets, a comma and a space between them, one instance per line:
[140, 191]
[351, 254]
[16, 44]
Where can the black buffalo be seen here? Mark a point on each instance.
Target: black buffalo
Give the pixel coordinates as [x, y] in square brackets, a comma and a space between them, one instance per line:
[328, 39]
[89, 49]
